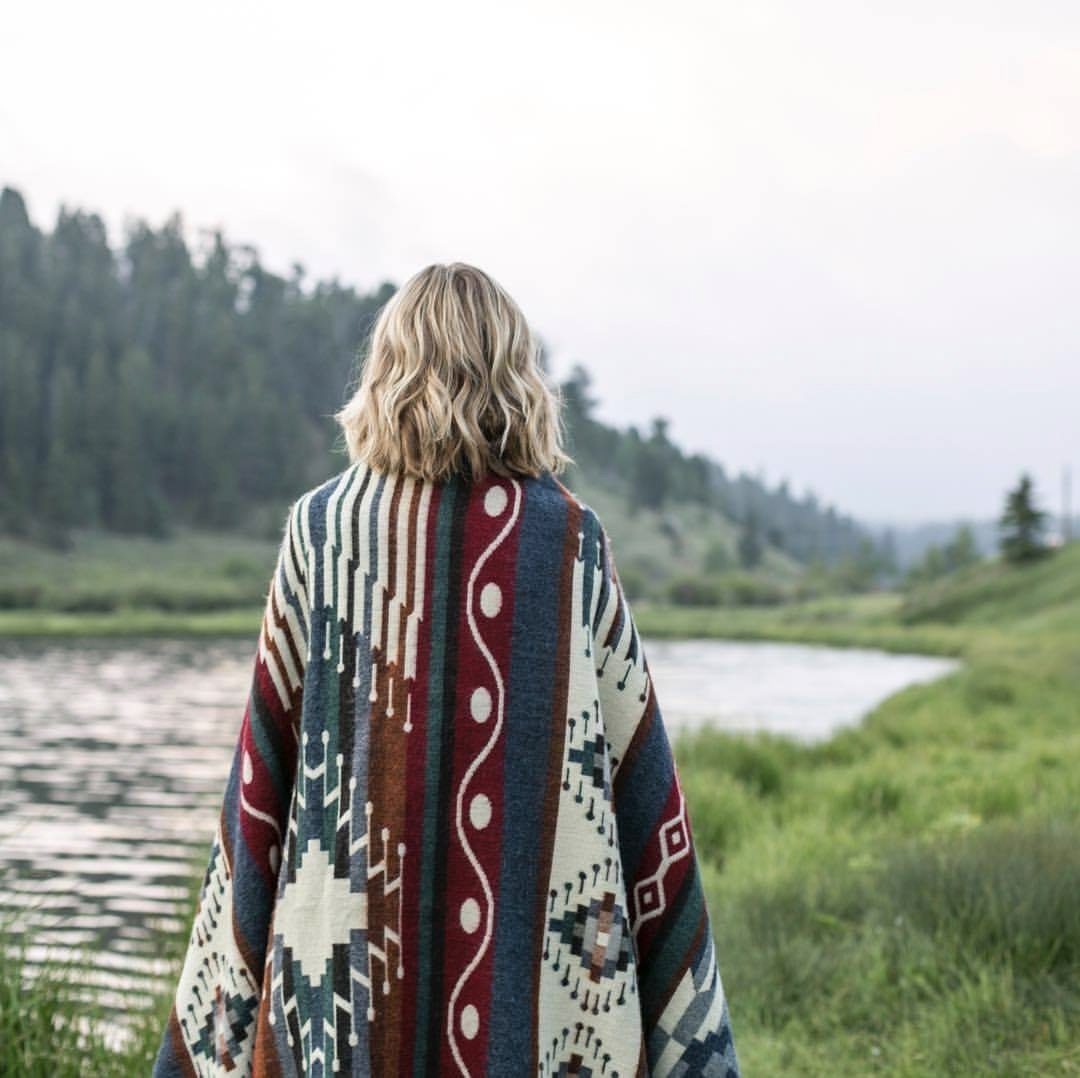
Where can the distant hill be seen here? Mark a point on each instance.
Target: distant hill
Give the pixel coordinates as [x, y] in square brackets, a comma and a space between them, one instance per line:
[910, 542]
[151, 386]
[1044, 594]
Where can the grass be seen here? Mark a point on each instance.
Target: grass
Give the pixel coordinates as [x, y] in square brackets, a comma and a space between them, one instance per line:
[114, 580]
[46, 1032]
[125, 621]
[902, 899]
[193, 584]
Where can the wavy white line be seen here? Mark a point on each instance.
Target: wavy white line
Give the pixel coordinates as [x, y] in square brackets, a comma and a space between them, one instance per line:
[477, 761]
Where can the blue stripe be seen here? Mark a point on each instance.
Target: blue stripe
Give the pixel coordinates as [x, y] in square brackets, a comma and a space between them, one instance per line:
[438, 753]
[642, 786]
[527, 734]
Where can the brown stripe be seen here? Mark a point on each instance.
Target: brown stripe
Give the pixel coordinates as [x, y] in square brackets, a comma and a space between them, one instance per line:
[264, 1063]
[180, 1051]
[556, 746]
[270, 642]
[642, 1068]
[386, 791]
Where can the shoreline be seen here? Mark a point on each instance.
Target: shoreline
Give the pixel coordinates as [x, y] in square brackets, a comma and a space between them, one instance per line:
[836, 623]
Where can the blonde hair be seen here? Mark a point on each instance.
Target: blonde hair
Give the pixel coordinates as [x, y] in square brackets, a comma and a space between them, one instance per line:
[452, 383]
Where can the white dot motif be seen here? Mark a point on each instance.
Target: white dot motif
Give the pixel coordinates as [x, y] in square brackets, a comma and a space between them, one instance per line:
[470, 915]
[491, 599]
[495, 501]
[480, 811]
[249, 770]
[470, 1021]
[480, 704]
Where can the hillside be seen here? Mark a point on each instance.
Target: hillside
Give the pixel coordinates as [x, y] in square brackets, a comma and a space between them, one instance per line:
[156, 387]
[653, 546]
[993, 593]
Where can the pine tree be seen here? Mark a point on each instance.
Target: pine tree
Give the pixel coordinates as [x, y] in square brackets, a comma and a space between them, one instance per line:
[1021, 524]
[751, 545]
[961, 551]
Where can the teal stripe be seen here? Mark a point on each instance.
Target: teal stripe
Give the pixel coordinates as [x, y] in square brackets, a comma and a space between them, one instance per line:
[329, 685]
[672, 945]
[340, 508]
[433, 762]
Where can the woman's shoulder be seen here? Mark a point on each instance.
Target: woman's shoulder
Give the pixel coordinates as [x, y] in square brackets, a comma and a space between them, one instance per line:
[547, 496]
[549, 488]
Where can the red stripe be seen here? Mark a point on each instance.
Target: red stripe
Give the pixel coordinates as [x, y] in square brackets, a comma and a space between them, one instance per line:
[677, 841]
[259, 791]
[470, 738]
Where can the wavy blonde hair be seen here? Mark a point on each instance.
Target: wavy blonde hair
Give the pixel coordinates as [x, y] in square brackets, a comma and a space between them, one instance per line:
[452, 383]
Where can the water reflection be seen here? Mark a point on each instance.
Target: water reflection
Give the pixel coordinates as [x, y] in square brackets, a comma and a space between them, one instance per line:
[113, 759]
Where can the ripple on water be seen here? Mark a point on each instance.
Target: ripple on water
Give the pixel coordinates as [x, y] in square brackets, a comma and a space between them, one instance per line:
[113, 760]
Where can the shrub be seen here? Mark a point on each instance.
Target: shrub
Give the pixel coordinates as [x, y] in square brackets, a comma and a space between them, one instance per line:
[758, 762]
[694, 590]
[719, 812]
[87, 602]
[19, 596]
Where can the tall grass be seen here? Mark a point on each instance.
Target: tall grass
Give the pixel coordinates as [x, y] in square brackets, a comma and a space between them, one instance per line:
[904, 898]
[49, 1030]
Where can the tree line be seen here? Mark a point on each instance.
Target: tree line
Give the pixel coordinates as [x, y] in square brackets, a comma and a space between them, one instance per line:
[161, 383]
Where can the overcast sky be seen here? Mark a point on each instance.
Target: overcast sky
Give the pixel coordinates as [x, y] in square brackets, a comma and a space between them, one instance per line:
[837, 243]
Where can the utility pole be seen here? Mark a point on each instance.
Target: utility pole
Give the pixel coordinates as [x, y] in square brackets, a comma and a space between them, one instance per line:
[1066, 505]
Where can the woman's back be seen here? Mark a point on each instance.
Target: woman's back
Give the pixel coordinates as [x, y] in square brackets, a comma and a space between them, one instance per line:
[453, 839]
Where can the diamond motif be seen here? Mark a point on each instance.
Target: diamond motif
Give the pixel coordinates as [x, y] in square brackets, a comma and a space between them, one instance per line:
[597, 934]
[318, 910]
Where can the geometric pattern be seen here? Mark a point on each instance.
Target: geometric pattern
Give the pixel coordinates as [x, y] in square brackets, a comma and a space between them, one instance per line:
[597, 934]
[452, 838]
[229, 1024]
[694, 1035]
[674, 845]
[591, 759]
[317, 911]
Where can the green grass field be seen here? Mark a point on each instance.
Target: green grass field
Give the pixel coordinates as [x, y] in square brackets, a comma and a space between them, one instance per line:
[904, 899]
[113, 577]
[901, 899]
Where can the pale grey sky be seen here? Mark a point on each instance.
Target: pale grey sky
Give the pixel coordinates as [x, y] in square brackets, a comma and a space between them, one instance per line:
[837, 243]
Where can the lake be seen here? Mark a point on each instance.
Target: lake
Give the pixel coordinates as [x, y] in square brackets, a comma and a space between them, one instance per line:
[114, 756]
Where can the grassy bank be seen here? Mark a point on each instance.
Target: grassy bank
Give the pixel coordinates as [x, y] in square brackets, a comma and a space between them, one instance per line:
[193, 582]
[902, 899]
[128, 622]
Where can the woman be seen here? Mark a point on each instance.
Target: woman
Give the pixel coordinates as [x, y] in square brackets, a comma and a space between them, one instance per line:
[453, 839]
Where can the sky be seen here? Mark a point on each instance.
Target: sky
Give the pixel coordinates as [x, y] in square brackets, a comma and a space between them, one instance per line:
[833, 243]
